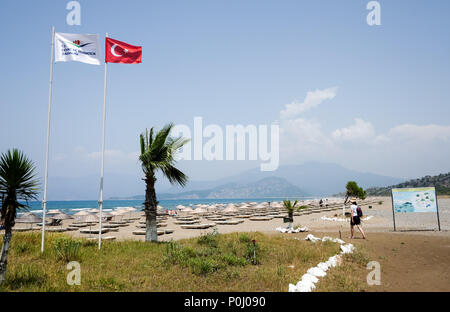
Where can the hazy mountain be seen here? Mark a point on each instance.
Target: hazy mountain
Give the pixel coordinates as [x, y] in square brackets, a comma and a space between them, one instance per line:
[264, 188]
[313, 178]
[316, 179]
[440, 182]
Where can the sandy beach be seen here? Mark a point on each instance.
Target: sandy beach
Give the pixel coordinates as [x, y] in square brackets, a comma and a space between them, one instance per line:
[380, 221]
[414, 258]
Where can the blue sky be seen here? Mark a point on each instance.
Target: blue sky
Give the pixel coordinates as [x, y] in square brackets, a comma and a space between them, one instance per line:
[235, 62]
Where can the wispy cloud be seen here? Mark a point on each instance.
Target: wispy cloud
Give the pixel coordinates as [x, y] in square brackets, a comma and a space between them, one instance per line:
[312, 99]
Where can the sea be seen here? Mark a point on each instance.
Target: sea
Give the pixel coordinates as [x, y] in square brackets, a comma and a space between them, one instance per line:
[74, 206]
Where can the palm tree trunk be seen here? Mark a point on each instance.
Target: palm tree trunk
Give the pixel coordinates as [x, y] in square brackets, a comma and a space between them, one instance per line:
[4, 255]
[291, 218]
[151, 232]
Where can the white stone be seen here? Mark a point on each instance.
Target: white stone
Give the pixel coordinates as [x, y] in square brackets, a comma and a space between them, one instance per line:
[292, 288]
[316, 272]
[347, 248]
[323, 266]
[308, 277]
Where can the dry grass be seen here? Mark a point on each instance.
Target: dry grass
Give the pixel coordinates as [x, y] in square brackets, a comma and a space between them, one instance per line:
[220, 262]
[349, 276]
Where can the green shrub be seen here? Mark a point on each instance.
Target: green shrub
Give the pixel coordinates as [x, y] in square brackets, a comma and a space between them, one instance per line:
[208, 239]
[232, 259]
[110, 284]
[252, 253]
[244, 238]
[67, 249]
[22, 247]
[203, 266]
[176, 254]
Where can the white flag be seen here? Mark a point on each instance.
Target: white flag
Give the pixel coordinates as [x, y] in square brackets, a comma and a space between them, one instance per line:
[77, 47]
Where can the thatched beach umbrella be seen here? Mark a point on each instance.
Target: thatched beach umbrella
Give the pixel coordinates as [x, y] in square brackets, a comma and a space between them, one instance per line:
[53, 211]
[230, 208]
[81, 214]
[130, 210]
[61, 216]
[187, 210]
[199, 210]
[105, 214]
[30, 218]
[90, 218]
[117, 213]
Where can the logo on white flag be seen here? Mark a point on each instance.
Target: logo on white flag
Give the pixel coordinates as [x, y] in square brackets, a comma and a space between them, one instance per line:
[77, 47]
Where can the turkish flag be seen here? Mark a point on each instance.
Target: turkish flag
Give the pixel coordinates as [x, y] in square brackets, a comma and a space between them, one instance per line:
[120, 52]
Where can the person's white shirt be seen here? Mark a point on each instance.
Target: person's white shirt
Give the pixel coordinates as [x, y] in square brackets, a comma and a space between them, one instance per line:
[353, 209]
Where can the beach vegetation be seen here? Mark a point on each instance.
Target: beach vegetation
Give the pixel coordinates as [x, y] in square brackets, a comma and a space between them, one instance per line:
[290, 208]
[353, 190]
[184, 265]
[158, 155]
[18, 184]
[67, 249]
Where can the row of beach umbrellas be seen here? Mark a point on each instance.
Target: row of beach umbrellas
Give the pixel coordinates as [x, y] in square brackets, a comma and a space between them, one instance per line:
[88, 216]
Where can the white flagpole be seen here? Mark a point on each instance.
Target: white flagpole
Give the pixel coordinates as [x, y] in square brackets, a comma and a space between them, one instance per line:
[100, 201]
[44, 201]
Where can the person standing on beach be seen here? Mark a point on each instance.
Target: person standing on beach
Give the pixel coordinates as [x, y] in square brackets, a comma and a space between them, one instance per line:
[355, 219]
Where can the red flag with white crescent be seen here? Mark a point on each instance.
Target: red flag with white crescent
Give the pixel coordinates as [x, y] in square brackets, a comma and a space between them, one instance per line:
[120, 52]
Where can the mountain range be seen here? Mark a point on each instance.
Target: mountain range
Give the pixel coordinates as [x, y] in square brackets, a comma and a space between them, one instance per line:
[269, 187]
[308, 179]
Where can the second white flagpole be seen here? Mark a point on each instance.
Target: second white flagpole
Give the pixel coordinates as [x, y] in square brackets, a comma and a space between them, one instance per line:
[100, 201]
[44, 200]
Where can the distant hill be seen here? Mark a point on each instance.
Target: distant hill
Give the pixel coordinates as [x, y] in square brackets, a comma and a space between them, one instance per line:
[440, 182]
[264, 188]
[314, 178]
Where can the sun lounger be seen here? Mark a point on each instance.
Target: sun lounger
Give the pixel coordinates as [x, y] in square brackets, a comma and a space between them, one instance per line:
[186, 222]
[110, 226]
[78, 225]
[23, 229]
[260, 218]
[93, 231]
[229, 222]
[56, 229]
[196, 226]
[119, 222]
[104, 238]
[140, 232]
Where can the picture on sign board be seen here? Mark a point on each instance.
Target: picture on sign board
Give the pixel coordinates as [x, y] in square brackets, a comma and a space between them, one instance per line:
[414, 199]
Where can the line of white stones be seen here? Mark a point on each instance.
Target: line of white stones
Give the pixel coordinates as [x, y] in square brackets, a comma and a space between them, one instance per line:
[311, 277]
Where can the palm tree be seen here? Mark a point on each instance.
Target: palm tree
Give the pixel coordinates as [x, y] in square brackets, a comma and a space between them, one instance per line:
[290, 207]
[17, 183]
[157, 153]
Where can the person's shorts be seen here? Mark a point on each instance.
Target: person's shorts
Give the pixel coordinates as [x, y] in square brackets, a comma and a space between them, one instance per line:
[356, 221]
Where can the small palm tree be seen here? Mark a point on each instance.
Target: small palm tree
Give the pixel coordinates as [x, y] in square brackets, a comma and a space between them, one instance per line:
[291, 207]
[157, 153]
[17, 183]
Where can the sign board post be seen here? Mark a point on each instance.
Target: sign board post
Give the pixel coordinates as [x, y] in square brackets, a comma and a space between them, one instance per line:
[393, 210]
[420, 199]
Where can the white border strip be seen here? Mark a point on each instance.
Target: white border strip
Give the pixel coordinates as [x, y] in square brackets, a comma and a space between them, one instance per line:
[309, 280]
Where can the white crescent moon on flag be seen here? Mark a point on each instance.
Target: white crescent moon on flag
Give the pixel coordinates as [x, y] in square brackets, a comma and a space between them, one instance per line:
[113, 52]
